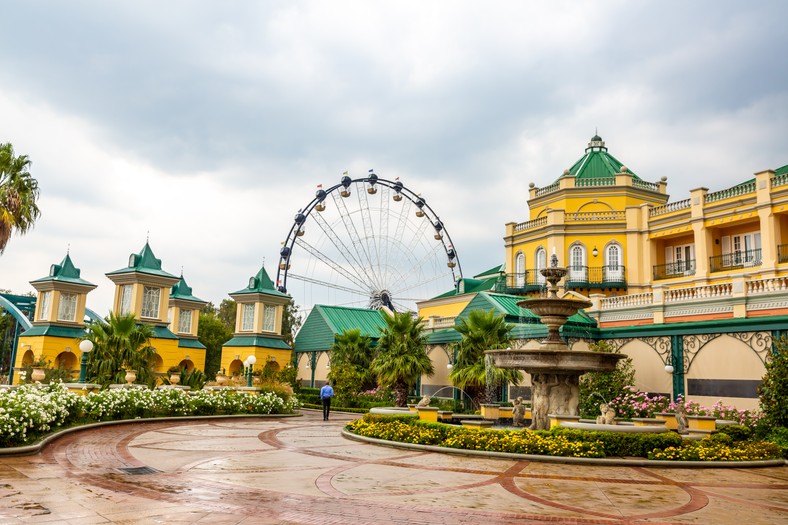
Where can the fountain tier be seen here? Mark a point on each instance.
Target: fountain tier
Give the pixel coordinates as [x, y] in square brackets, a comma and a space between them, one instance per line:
[555, 370]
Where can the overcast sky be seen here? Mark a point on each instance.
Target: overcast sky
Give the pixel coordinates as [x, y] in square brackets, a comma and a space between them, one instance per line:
[209, 124]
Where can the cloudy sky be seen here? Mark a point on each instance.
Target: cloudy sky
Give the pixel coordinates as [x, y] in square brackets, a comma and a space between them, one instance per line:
[207, 125]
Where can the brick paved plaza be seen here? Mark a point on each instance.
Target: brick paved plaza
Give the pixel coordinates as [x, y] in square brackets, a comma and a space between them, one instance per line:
[301, 470]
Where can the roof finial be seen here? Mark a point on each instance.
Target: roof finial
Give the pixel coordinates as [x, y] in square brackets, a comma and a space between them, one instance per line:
[68, 249]
[263, 261]
[181, 271]
[147, 237]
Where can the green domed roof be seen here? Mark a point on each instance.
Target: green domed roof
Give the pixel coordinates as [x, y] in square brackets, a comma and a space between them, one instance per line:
[597, 163]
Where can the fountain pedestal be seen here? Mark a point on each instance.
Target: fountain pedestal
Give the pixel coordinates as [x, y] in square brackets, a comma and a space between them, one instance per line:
[555, 370]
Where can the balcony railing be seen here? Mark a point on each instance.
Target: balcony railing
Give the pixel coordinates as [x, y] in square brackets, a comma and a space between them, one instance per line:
[674, 269]
[596, 277]
[520, 283]
[782, 253]
[735, 260]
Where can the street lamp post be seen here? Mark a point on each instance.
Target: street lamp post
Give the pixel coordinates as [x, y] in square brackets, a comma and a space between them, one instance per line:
[85, 346]
[251, 360]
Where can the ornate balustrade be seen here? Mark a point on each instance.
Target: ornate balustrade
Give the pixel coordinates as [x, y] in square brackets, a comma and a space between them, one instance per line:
[736, 191]
[669, 208]
[595, 216]
[709, 291]
[627, 301]
[529, 225]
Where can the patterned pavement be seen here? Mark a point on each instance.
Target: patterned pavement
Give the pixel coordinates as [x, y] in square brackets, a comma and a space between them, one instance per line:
[300, 470]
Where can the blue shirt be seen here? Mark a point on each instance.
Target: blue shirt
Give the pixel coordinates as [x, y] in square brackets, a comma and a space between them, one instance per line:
[326, 391]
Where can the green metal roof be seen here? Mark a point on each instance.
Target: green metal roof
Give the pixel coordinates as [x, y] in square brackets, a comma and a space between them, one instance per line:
[183, 291]
[261, 283]
[257, 340]
[466, 285]
[144, 262]
[494, 271]
[781, 171]
[162, 332]
[55, 331]
[597, 163]
[64, 272]
[507, 305]
[190, 343]
[324, 323]
[449, 335]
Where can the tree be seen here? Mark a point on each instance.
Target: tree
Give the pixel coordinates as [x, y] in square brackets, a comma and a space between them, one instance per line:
[773, 391]
[119, 343]
[18, 195]
[401, 358]
[213, 333]
[602, 387]
[472, 372]
[351, 355]
[227, 311]
[291, 322]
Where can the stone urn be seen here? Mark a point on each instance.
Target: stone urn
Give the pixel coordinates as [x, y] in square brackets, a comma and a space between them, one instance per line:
[38, 375]
[131, 376]
[221, 379]
[175, 378]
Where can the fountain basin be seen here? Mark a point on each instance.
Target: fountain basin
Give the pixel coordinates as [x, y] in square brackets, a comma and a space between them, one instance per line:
[552, 361]
[553, 306]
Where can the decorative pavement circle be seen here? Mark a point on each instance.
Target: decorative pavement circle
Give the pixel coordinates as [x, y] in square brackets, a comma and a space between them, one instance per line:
[301, 470]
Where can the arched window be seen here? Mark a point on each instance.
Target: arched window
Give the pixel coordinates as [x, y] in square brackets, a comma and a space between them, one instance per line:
[519, 270]
[614, 270]
[577, 264]
[541, 263]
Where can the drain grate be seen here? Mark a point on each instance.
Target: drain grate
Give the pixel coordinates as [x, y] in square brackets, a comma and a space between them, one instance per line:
[138, 471]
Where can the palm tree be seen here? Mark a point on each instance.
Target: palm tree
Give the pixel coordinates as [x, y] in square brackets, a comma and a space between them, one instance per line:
[402, 359]
[119, 343]
[18, 195]
[481, 331]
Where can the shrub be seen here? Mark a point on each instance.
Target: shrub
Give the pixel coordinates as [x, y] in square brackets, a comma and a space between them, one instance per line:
[773, 391]
[598, 387]
[715, 450]
[736, 432]
[621, 444]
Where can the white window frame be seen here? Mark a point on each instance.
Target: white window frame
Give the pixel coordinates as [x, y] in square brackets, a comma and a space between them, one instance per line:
[269, 318]
[247, 317]
[46, 304]
[67, 307]
[578, 272]
[125, 299]
[151, 296]
[541, 264]
[185, 321]
[613, 270]
[519, 270]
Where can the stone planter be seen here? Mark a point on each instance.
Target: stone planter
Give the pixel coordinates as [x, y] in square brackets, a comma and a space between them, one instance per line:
[38, 375]
[702, 422]
[131, 376]
[428, 414]
[490, 411]
[175, 378]
[221, 379]
[669, 418]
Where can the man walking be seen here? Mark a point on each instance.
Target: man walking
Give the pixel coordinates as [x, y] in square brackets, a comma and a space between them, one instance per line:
[326, 393]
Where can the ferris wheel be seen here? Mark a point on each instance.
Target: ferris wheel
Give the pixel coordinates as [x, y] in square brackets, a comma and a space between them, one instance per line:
[367, 242]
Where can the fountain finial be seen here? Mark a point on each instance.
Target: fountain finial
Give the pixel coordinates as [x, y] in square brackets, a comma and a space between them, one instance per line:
[554, 261]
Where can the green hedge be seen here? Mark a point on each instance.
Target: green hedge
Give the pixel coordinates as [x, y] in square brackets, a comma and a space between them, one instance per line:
[621, 443]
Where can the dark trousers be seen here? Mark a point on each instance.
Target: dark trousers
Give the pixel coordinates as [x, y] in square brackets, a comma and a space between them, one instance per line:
[326, 407]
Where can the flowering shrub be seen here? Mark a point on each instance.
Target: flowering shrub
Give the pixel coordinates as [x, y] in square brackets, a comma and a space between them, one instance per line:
[717, 450]
[31, 411]
[410, 430]
[561, 441]
[633, 403]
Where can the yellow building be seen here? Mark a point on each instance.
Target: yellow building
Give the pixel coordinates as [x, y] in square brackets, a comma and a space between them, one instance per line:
[258, 327]
[143, 288]
[58, 322]
[694, 290]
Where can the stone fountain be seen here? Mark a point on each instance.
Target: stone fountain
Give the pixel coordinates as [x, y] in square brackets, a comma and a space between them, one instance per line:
[555, 370]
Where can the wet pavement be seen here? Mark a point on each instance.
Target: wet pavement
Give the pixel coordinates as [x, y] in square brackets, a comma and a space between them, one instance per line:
[301, 470]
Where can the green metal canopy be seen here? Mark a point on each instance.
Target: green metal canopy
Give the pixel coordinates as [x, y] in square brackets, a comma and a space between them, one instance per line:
[324, 323]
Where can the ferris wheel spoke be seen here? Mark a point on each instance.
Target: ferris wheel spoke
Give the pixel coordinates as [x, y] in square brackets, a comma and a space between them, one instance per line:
[369, 230]
[346, 253]
[352, 232]
[310, 280]
[355, 279]
[385, 195]
[435, 251]
[414, 285]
